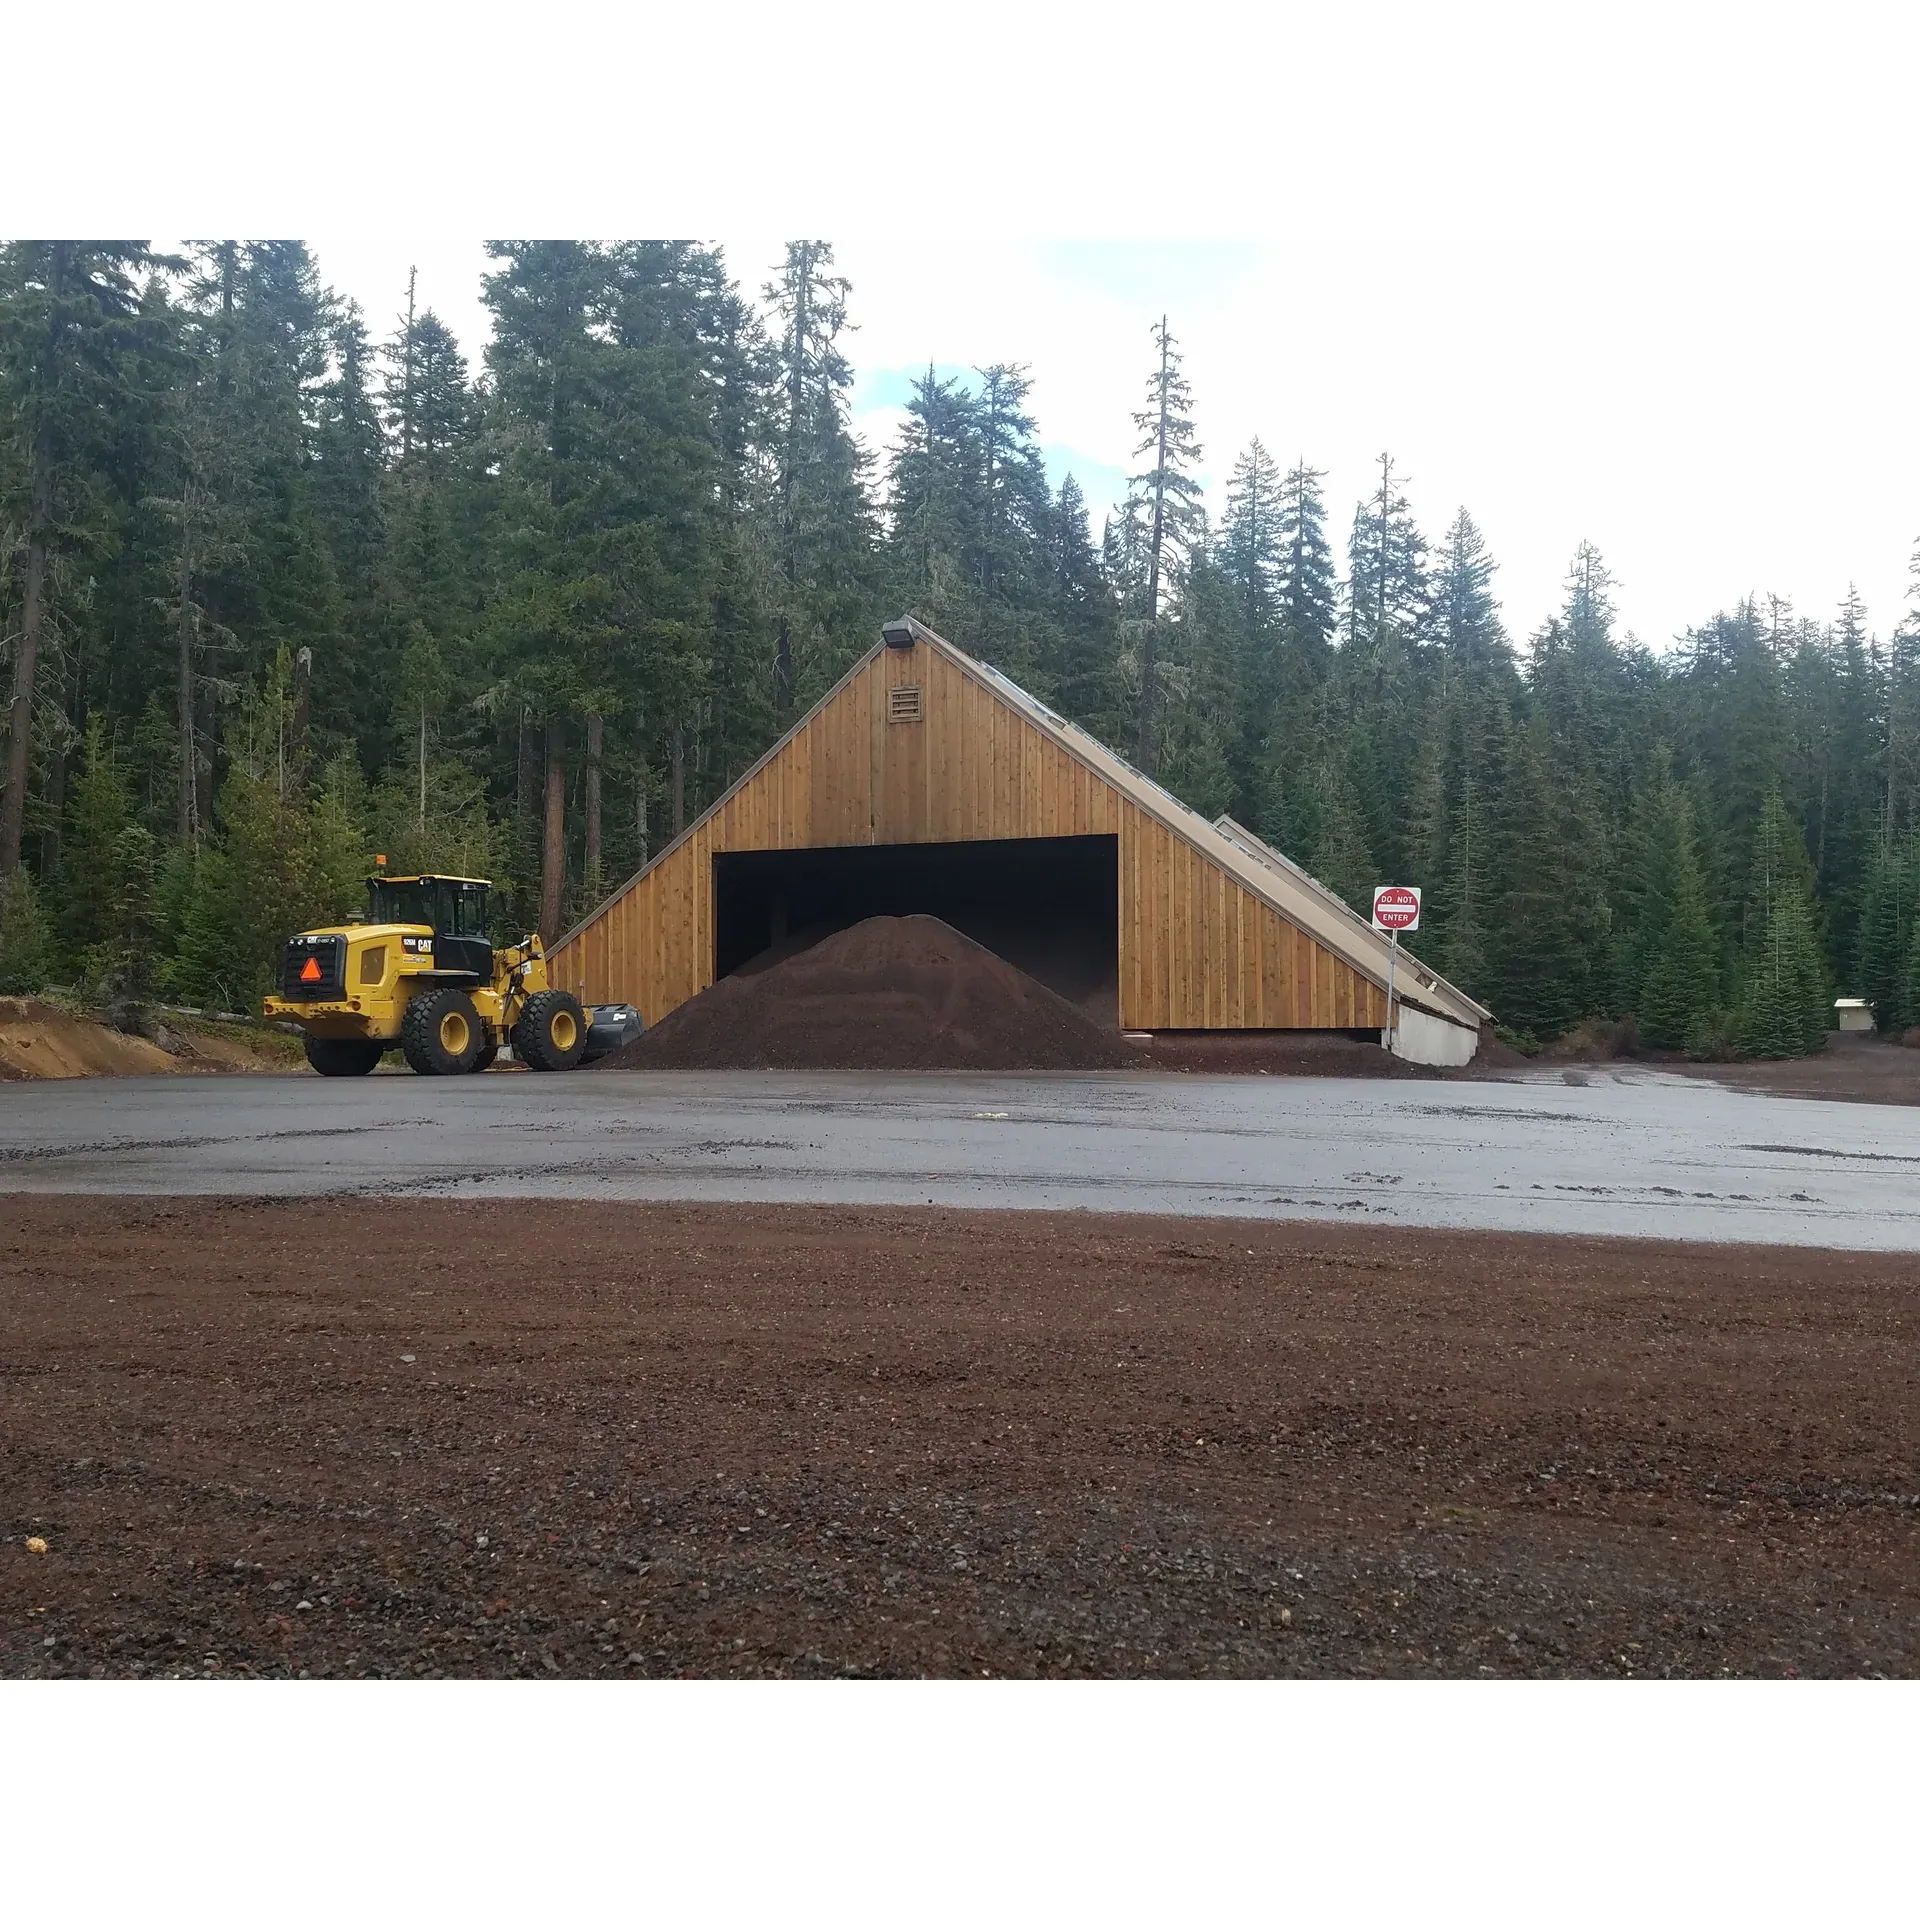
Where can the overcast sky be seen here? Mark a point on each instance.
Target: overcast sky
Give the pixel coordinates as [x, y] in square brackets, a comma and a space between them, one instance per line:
[1643, 275]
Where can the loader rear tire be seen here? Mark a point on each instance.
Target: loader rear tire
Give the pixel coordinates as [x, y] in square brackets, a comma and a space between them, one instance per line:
[551, 1035]
[342, 1059]
[441, 1032]
[485, 1057]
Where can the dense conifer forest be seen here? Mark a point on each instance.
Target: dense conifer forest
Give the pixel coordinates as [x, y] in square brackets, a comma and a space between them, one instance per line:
[277, 593]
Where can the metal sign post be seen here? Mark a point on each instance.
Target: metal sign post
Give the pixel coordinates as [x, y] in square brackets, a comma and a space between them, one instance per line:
[1393, 960]
[1396, 910]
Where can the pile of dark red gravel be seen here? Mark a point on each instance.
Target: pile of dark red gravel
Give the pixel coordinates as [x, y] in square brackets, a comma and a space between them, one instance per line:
[899, 995]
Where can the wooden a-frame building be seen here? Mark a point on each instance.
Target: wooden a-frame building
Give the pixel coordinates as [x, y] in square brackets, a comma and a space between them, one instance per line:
[926, 781]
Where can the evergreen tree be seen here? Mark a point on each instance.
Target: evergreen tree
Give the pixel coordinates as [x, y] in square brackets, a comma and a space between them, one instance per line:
[972, 546]
[1731, 731]
[346, 494]
[1202, 689]
[75, 342]
[1166, 499]
[1466, 616]
[426, 402]
[1387, 588]
[1376, 676]
[99, 811]
[1900, 774]
[932, 501]
[1540, 974]
[1677, 951]
[1887, 923]
[26, 940]
[1306, 589]
[824, 533]
[279, 863]
[1912, 996]
[1457, 773]
[551, 616]
[1297, 730]
[1786, 1001]
[1249, 559]
[1015, 505]
[1084, 675]
[1837, 715]
[1340, 858]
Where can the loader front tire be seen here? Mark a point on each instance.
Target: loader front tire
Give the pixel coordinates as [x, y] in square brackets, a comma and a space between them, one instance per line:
[551, 1035]
[441, 1032]
[342, 1059]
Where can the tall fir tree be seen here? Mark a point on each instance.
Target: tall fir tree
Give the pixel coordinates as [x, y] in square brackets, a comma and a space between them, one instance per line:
[824, 534]
[1165, 500]
[75, 347]
[1550, 916]
[1786, 1000]
[1674, 968]
[1888, 918]
[1249, 557]
[1306, 593]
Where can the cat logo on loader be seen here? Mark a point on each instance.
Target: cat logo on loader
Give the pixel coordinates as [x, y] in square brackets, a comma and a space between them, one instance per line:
[422, 974]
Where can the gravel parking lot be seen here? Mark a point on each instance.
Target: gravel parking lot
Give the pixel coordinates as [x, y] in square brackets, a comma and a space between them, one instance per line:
[527, 1436]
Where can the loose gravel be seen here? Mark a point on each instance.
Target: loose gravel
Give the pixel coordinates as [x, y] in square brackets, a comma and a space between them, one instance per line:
[591, 1439]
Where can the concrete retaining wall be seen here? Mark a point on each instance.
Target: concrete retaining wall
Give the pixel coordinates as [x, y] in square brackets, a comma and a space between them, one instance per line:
[1430, 1041]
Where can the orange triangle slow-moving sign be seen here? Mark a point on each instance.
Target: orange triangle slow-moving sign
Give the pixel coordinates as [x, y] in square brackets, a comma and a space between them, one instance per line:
[311, 971]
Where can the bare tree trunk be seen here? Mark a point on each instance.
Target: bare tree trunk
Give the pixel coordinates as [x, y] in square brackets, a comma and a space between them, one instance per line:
[596, 745]
[186, 820]
[302, 713]
[423, 770]
[33, 619]
[56, 810]
[679, 781]
[783, 674]
[553, 852]
[206, 728]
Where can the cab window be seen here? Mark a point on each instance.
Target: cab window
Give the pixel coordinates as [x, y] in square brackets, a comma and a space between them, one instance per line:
[466, 911]
[399, 902]
[447, 906]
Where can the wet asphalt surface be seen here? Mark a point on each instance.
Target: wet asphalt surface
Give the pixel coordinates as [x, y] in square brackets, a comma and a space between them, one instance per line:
[1618, 1151]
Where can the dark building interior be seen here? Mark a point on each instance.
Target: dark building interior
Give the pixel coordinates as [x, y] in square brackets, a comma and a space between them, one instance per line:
[1049, 907]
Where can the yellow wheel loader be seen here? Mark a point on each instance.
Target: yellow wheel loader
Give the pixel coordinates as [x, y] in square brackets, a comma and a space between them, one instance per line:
[421, 974]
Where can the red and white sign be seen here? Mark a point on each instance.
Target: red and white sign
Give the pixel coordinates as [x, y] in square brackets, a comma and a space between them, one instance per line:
[1396, 909]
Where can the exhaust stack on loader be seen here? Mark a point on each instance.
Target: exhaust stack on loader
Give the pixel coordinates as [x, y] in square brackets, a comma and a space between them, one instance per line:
[422, 974]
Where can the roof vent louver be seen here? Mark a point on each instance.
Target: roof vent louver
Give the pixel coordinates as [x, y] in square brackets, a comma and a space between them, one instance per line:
[904, 705]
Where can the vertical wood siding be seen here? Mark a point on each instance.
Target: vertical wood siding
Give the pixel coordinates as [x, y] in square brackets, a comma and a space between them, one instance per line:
[1196, 948]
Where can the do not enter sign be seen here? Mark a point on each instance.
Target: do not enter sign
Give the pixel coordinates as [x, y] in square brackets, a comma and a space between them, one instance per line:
[1396, 909]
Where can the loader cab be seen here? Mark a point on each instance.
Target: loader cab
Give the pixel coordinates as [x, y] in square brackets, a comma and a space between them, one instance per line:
[455, 908]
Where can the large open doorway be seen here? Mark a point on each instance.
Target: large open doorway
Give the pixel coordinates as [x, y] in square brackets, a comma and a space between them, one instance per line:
[1049, 907]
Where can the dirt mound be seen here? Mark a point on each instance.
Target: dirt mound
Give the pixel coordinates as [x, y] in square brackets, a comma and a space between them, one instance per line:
[901, 995]
[42, 1041]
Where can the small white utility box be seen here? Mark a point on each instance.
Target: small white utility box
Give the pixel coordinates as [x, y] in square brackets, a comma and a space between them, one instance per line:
[1855, 1016]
